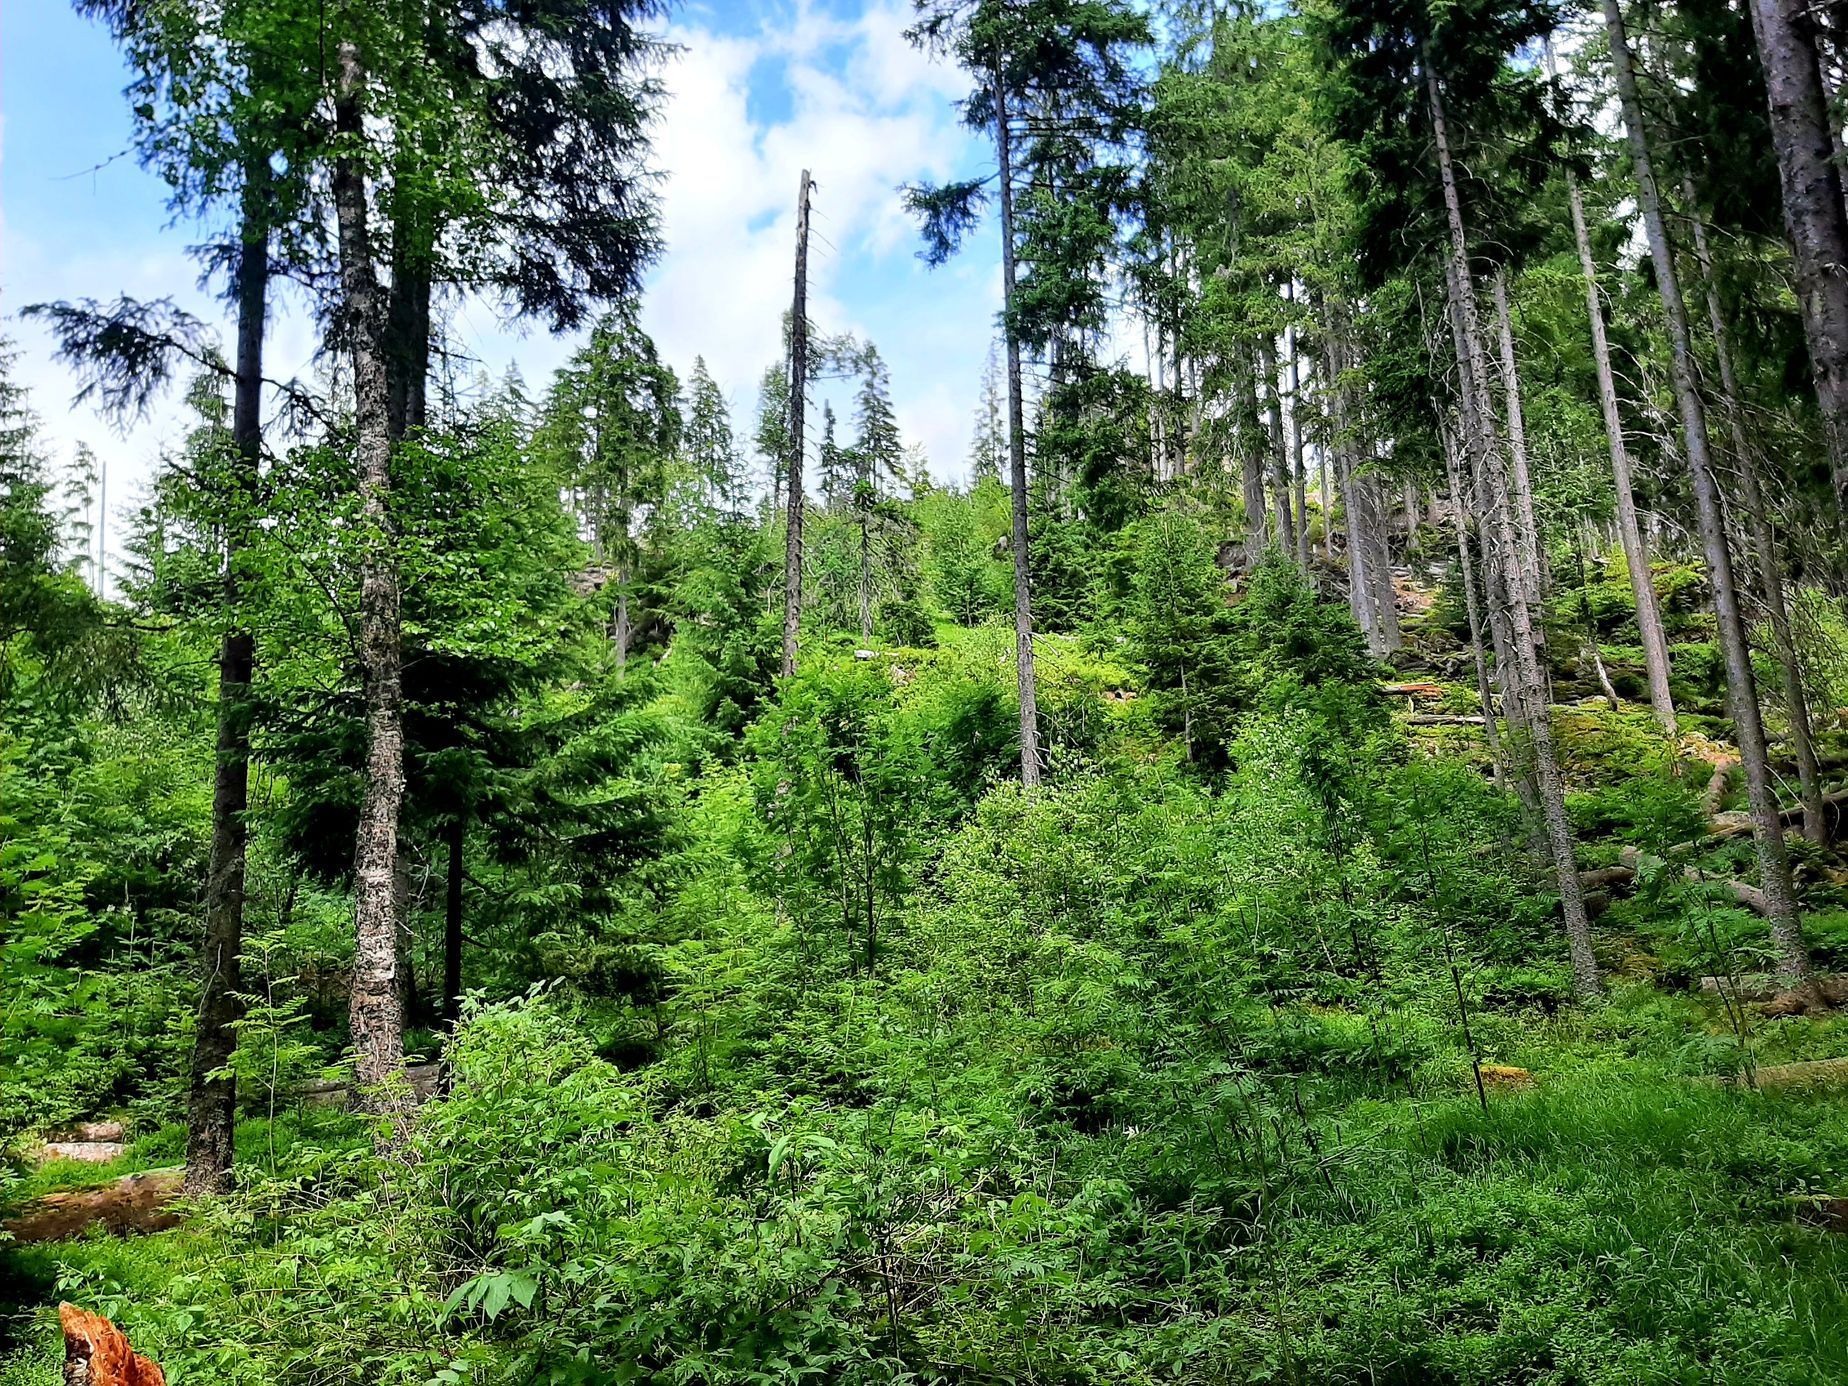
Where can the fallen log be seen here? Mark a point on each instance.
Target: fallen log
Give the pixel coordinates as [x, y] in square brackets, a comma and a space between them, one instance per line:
[424, 1079]
[136, 1203]
[1814, 1075]
[1604, 877]
[1726, 825]
[1716, 786]
[97, 1354]
[1439, 719]
[1751, 987]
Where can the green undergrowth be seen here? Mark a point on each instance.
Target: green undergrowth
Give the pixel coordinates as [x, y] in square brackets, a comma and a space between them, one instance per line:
[1613, 1223]
[868, 1066]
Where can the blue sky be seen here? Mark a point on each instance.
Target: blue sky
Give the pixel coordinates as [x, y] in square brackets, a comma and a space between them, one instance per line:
[759, 91]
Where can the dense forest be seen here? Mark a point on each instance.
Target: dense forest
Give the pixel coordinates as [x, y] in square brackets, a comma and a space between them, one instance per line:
[1317, 857]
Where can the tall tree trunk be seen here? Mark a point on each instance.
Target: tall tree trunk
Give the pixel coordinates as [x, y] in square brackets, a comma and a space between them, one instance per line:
[375, 1011]
[1370, 591]
[211, 1106]
[1527, 526]
[407, 331]
[1250, 435]
[404, 908]
[1360, 604]
[1324, 484]
[1280, 457]
[1629, 531]
[792, 470]
[866, 573]
[1298, 470]
[1764, 543]
[1814, 216]
[1741, 684]
[457, 830]
[1480, 446]
[1376, 562]
[1017, 458]
[1472, 609]
[622, 628]
[1528, 683]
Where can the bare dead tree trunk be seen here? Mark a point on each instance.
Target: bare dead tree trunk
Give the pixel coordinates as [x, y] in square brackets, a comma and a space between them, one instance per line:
[1017, 457]
[1764, 542]
[1529, 682]
[375, 1009]
[1741, 683]
[1629, 531]
[211, 1105]
[1815, 219]
[792, 469]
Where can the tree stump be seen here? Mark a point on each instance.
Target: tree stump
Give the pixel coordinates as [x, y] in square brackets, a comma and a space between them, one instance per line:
[96, 1353]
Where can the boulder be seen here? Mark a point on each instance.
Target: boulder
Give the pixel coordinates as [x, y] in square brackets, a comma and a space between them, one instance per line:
[88, 1152]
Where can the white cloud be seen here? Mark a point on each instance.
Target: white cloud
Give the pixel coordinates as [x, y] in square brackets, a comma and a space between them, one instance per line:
[867, 113]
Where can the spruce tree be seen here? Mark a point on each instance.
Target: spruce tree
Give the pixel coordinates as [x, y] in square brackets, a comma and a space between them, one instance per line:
[709, 444]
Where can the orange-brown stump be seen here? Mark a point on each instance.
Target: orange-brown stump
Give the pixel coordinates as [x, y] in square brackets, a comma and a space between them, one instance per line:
[96, 1353]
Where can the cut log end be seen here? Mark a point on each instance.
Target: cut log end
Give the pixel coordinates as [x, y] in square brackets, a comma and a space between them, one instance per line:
[97, 1354]
[1506, 1077]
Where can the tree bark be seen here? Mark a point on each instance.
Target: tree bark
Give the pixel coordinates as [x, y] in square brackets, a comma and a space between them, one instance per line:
[1764, 544]
[1471, 606]
[375, 1009]
[1629, 531]
[1741, 683]
[1377, 562]
[1250, 436]
[407, 331]
[798, 391]
[452, 919]
[866, 572]
[1527, 526]
[1370, 592]
[1815, 219]
[1359, 604]
[1017, 458]
[1280, 457]
[622, 629]
[1528, 683]
[1298, 471]
[211, 1106]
